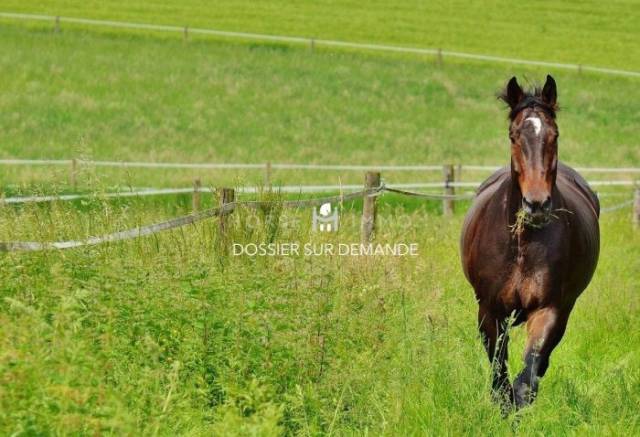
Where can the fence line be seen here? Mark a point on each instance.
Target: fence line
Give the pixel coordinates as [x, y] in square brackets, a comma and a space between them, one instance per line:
[227, 208]
[213, 166]
[579, 169]
[31, 246]
[617, 206]
[628, 183]
[284, 166]
[371, 191]
[602, 194]
[287, 189]
[314, 42]
[67, 197]
[432, 196]
[608, 169]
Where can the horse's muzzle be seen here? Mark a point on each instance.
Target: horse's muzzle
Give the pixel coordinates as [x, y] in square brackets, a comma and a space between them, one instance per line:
[537, 213]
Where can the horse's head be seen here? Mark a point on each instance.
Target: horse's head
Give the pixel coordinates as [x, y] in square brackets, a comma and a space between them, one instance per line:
[534, 144]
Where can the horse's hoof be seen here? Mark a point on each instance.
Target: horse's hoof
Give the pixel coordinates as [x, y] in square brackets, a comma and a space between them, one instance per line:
[523, 395]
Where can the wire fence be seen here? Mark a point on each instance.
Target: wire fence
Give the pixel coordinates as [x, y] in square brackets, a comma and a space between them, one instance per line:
[227, 208]
[313, 42]
[285, 166]
[617, 206]
[286, 189]
[400, 189]
[31, 246]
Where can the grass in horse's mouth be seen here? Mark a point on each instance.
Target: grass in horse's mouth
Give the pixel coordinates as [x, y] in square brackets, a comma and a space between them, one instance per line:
[523, 219]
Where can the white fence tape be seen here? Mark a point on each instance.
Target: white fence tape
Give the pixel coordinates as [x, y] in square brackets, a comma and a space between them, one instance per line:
[29, 246]
[286, 166]
[36, 161]
[614, 183]
[318, 42]
[63, 197]
[617, 207]
[280, 166]
[287, 189]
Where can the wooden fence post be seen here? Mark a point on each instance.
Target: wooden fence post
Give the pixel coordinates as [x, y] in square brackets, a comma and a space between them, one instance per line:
[195, 200]
[185, 33]
[636, 209]
[368, 224]
[447, 203]
[267, 174]
[56, 29]
[74, 173]
[439, 58]
[227, 195]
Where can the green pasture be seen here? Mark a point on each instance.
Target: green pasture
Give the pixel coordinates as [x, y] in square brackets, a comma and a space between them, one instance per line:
[172, 334]
[585, 32]
[136, 97]
[167, 335]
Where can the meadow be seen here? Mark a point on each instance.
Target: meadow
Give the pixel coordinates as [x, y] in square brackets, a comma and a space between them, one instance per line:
[170, 334]
[550, 31]
[167, 335]
[134, 97]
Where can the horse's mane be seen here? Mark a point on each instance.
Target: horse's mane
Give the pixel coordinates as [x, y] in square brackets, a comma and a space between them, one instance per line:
[531, 98]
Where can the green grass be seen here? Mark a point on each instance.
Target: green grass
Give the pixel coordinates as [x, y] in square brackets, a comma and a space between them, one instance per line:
[134, 97]
[588, 32]
[164, 335]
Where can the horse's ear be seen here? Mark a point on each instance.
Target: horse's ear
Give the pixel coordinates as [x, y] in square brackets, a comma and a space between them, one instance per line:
[513, 94]
[549, 92]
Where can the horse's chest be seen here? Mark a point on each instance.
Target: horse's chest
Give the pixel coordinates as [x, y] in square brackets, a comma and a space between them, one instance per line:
[526, 286]
[532, 274]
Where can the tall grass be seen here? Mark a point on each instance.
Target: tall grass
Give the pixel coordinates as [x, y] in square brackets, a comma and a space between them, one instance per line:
[168, 335]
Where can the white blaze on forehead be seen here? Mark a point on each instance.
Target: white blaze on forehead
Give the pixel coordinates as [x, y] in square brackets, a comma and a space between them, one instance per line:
[537, 123]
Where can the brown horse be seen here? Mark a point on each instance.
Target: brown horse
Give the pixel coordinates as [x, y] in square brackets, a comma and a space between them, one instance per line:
[530, 242]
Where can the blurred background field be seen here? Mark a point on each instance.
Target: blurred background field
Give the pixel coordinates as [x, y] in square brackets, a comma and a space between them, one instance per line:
[133, 96]
[587, 32]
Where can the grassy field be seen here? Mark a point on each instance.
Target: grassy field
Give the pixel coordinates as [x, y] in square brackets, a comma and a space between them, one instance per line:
[550, 31]
[136, 97]
[168, 335]
[165, 335]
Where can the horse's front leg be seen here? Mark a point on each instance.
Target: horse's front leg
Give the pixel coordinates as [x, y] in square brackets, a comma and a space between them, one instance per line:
[495, 337]
[545, 328]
